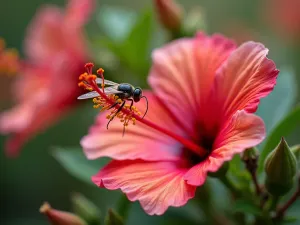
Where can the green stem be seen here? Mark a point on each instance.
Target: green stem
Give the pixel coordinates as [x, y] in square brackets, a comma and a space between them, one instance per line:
[274, 202]
[231, 186]
[123, 207]
[281, 211]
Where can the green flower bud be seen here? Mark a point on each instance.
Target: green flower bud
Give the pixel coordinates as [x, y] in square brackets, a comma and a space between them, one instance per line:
[113, 218]
[221, 172]
[280, 168]
[86, 209]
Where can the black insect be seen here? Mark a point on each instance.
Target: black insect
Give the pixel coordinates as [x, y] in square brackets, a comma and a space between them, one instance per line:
[124, 91]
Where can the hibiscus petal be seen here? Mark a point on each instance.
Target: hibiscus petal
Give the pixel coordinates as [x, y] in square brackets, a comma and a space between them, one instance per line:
[16, 119]
[183, 72]
[31, 117]
[157, 185]
[24, 123]
[247, 76]
[245, 130]
[78, 12]
[44, 37]
[53, 31]
[139, 140]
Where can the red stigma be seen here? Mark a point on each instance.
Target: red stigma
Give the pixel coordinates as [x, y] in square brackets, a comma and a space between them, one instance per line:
[89, 67]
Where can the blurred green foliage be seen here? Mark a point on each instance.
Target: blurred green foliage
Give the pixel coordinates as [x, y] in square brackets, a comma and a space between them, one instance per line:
[126, 31]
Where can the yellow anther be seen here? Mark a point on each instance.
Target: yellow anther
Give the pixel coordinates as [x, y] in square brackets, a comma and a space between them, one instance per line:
[95, 100]
[85, 79]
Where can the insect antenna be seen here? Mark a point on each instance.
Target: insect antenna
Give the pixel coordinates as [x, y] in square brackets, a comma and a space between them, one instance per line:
[147, 106]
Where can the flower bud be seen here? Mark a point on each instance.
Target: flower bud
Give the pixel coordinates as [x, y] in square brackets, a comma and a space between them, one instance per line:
[250, 157]
[280, 167]
[221, 172]
[57, 217]
[113, 218]
[86, 209]
[169, 14]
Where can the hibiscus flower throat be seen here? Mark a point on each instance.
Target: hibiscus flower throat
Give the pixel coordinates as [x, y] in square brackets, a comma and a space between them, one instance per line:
[87, 81]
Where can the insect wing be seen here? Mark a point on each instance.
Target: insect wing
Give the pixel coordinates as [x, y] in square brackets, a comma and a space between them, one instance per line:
[91, 94]
[112, 90]
[94, 94]
[107, 82]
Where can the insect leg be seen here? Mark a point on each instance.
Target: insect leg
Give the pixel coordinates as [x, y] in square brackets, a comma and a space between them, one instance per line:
[113, 105]
[125, 119]
[131, 103]
[119, 109]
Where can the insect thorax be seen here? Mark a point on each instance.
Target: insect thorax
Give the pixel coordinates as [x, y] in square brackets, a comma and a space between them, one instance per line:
[126, 88]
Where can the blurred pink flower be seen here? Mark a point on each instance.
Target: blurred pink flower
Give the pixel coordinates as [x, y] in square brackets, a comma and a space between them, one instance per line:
[55, 52]
[200, 114]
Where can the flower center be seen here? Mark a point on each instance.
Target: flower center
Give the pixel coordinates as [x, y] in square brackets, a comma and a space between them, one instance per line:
[193, 158]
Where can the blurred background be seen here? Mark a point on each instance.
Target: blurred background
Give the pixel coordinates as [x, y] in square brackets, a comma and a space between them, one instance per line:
[36, 176]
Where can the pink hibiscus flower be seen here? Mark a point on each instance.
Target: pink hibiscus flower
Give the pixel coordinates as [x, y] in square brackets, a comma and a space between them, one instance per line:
[200, 114]
[55, 49]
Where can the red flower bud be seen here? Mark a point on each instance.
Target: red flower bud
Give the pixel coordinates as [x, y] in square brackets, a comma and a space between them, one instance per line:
[169, 13]
[57, 217]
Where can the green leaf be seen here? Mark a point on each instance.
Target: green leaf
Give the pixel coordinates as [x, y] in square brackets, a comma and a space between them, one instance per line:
[116, 22]
[123, 206]
[238, 172]
[132, 44]
[246, 206]
[289, 219]
[113, 218]
[86, 209]
[280, 101]
[75, 162]
[284, 128]
[135, 47]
